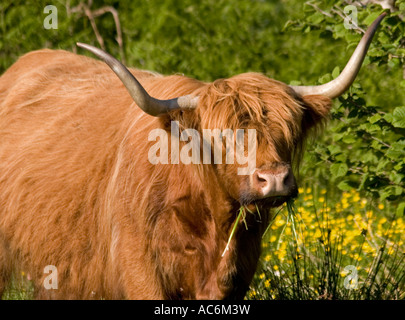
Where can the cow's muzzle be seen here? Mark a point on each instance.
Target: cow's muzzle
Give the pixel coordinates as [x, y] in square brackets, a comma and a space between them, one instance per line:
[273, 182]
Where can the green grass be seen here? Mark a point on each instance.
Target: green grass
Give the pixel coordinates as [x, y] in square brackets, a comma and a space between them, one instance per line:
[20, 288]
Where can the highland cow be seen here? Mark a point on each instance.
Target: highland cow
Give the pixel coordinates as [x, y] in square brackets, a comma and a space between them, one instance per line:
[78, 192]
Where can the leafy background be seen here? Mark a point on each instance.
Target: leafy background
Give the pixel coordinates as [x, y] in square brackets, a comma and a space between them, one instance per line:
[297, 42]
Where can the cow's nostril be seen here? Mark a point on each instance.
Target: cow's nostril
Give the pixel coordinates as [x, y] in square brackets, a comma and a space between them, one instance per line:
[260, 179]
[286, 178]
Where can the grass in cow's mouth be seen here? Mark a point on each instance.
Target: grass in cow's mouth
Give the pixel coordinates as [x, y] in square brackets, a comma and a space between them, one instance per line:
[241, 215]
[290, 217]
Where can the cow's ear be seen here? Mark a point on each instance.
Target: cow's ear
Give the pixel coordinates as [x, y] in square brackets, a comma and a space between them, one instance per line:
[317, 110]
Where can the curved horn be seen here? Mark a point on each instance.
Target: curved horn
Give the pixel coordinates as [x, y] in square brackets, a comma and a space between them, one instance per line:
[148, 104]
[339, 85]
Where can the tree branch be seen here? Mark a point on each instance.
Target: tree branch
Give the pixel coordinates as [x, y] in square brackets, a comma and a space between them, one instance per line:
[85, 9]
[319, 9]
[344, 17]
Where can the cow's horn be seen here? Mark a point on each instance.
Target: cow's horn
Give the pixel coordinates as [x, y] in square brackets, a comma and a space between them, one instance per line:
[339, 85]
[150, 105]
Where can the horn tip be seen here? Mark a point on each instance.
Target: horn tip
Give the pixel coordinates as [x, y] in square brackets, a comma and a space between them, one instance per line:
[84, 46]
[380, 18]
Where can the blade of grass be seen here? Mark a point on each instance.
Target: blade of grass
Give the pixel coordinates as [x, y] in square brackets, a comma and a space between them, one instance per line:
[235, 225]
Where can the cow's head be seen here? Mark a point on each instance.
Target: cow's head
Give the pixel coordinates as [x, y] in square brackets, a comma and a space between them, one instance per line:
[280, 114]
[280, 119]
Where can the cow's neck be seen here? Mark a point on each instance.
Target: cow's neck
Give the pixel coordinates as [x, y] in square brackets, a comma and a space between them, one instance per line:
[229, 266]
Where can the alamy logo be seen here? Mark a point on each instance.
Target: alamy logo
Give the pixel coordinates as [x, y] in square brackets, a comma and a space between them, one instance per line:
[190, 153]
[351, 279]
[51, 280]
[350, 21]
[51, 20]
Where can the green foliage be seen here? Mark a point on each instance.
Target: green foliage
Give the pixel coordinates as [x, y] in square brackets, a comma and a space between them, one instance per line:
[208, 39]
[365, 144]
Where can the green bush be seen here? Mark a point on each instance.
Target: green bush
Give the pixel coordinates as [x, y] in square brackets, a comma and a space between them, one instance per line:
[365, 145]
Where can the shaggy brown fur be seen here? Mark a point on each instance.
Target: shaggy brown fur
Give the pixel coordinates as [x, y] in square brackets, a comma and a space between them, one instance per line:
[77, 190]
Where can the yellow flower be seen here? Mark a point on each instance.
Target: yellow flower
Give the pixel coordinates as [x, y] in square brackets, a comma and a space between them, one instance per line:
[317, 233]
[280, 222]
[281, 255]
[380, 206]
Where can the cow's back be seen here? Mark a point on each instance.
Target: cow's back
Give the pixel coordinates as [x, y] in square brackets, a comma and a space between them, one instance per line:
[61, 122]
[66, 125]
